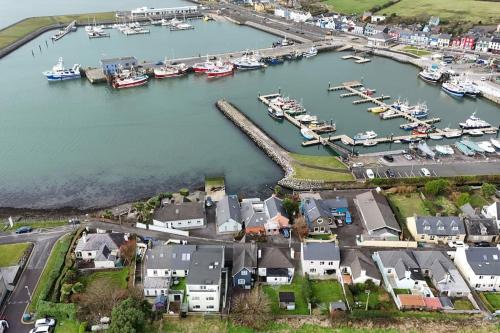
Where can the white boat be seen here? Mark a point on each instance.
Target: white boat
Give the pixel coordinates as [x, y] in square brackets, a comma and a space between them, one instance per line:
[450, 133]
[369, 143]
[181, 26]
[470, 89]
[435, 137]
[365, 136]
[311, 52]
[444, 149]
[474, 122]
[453, 89]
[129, 79]
[495, 143]
[59, 72]
[248, 62]
[307, 133]
[475, 132]
[306, 118]
[167, 71]
[486, 146]
[429, 75]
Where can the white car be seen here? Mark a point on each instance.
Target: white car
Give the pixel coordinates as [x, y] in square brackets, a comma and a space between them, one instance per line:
[370, 174]
[41, 329]
[425, 172]
[45, 322]
[4, 325]
[357, 165]
[455, 244]
[408, 157]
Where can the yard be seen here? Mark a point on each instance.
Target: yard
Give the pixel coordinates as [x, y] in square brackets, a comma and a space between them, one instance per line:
[12, 253]
[67, 326]
[116, 279]
[408, 204]
[327, 168]
[378, 299]
[463, 304]
[350, 6]
[416, 51]
[493, 300]
[326, 291]
[296, 286]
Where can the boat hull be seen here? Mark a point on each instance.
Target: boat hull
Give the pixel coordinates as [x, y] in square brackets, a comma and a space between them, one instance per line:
[55, 77]
[453, 92]
[428, 79]
[133, 84]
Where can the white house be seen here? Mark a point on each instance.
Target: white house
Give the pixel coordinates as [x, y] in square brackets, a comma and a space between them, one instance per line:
[480, 266]
[228, 216]
[184, 216]
[275, 265]
[320, 260]
[494, 46]
[203, 287]
[492, 212]
[103, 249]
[358, 268]
[299, 16]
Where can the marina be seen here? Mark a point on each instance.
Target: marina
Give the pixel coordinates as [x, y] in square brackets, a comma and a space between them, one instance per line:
[357, 59]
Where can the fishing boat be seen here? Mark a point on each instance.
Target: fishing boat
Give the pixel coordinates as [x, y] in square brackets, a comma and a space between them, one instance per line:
[429, 75]
[378, 109]
[97, 34]
[321, 126]
[400, 105]
[167, 71]
[221, 70]
[388, 114]
[248, 62]
[294, 55]
[59, 72]
[129, 79]
[472, 146]
[471, 90]
[475, 132]
[411, 139]
[453, 89]
[486, 146]
[306, 118]
[273, 60]
[444, 149]
[369, 143]
[495, 143]
[474, 122]
[311, 52]
[275, 113]
[202, 67]
[307, 133]
[365, 136]
[435, 137]
[464, 149]
[425, 149]
[409, 126]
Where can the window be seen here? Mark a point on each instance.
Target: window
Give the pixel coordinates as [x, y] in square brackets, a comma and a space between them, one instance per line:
[431, 237]
[480, 277]
[203, 287]
[89, 254]
[321, 262]
[196, 307]
[422, 237]
[241, 281]
[210, 298]
[155, 272]
[319, 221]
[389, 270]
[166, 272]
[244, 272]
[330, 263]
[210, 306]
[195, 298]
[312, 270]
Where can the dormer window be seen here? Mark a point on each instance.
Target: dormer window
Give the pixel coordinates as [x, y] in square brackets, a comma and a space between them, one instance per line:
[319, 221]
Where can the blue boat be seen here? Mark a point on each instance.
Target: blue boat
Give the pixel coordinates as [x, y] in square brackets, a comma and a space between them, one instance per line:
[419, 114]
[472, 146]
[273, 60]
[59, 73]
[464, 149]
[453, 89]
[248, 62]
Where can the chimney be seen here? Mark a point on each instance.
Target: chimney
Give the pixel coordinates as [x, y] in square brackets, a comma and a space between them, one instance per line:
[84, 236]
[125, 237]
[292, 253]
[259, 253]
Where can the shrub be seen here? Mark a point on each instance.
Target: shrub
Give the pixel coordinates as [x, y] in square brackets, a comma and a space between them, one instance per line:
[77, 287]
[82, 328]
[184, 192]
[437, 187]
[465, 188]
[463, 198]
[61, 311]
[488, 189]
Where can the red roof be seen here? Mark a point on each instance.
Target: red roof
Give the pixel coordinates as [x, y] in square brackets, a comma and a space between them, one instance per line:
[411, 301]
[432, 303]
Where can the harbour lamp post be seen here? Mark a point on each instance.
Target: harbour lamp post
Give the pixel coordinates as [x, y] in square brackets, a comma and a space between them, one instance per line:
[367, 298]
[29, 294]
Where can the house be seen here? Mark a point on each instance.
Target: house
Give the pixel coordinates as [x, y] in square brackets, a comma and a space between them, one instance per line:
[405, 36]
[380, 39]
[203, 285]
[358, 29]
[419, 38]
[436, 229]
[320, 214]
[227, 215]
[182, 215]
[143, 12]
[494, 45]
[299, 16]
[275, 265]
[101, 249]
[356, 267]
[373, 29]
[112, 65]
[466, 42]
[480, 266]
[320, 260]
[483, 44]
[253, 216]
[443, 274]
[444, 40]
[434, 40]
[277, 218]
[244, 265]
[482, 230]
[287, 300]
[377, 18]
[377, 215]
[492, 212]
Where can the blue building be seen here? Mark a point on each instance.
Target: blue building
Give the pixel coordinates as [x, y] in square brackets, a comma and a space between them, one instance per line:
[321, 215]
[112, 65]
[244, 265]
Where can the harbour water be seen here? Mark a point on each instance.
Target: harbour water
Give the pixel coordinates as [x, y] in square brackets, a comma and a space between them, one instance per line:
[13, 11]
[74, 144]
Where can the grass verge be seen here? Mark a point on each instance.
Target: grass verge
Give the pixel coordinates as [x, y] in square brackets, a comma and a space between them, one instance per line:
[67, 326]
[493, 300]
[416, 51]
[326, 168]
[35, 224]
[353, 7]
[12, 253]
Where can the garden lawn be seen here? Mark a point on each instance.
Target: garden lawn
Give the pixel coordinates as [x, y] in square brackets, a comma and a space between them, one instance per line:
[353, 6]
[463, 304]
[296, 286]
[67, 326]
[416, 51]
[477, 200]
[302, 172]
[408, 205]
[12, 253]
[326, 168]
[379, 300]
[493, 299]
[327, 291]
[115, 279]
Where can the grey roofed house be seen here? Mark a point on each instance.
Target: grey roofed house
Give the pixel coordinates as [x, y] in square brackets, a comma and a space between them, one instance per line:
[445, 275]
[376, 213]
[481, 227]
[180, 211]
[274, 257]
[244, 256]
[444, 36]
[469, 211]
[484, 260]
[359, 262]
[173, 257]
[440, 225]
[228, 208]
[274, 207]
[321, 251]
[162, 282]
[98, 242]
[382, 36]
[206, 266]
[401, 261]
[252, 214]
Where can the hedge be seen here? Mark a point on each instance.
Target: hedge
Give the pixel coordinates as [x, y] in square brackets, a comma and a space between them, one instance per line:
[421, 181]
[61, 311]
[348, 295]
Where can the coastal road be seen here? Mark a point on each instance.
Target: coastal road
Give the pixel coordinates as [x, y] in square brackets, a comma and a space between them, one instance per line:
[16, 303]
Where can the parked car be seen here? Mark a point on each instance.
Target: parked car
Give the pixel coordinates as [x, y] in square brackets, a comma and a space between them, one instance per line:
[4, 325]
[425, 172]
[41, 329]
[370, 174]
[73, 221]
[408, 157]
[339, 222]
[357, 165]
[483, 78]
[482, 244]
[45, 322]
[455, 244]
[348, 218]
[209, 202]
[23, 230]
[390, 173]
[388, 158]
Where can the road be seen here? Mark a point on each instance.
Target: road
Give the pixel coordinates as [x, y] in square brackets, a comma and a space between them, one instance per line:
[43, 241]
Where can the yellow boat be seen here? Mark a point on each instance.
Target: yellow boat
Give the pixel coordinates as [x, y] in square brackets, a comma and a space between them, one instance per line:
[379, 109]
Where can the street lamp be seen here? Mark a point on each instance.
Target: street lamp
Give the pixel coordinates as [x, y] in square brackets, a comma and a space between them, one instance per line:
[367, 298]
[28, 290]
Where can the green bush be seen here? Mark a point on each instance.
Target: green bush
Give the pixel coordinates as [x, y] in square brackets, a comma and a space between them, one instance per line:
[463, 199]
[77, 287]
[437, 187]
[83, 327]
[65, 292]
[488, 189]
[348, 295]
[61, 311]
[184, 192]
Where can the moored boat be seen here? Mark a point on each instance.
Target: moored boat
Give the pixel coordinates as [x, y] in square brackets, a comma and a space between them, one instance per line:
[167, 71]
[306, 118]
[474, 122]
[248, 62]
[472, 146]
[365, 136]
[129, 79]
[275, 113]
[444, 149]
[202, 67]
[59, 72]
[311, 52]
[435, 137]
[431, 76]
[495, 143]
[220, 70]
[486, 146]
[475, 132]
[369, 143]
[378, 109]
[307, 133]
[453, 89]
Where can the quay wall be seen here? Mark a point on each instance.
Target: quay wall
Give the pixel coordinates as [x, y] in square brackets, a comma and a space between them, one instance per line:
[277, 32]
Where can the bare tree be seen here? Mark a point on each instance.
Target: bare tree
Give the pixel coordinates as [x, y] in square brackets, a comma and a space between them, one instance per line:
[252, 309]
[127, 251]
[99, 299]
[300, 227]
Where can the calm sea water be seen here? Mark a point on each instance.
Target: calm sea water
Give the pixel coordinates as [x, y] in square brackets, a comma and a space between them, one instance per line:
[77, 144]
[13, 11]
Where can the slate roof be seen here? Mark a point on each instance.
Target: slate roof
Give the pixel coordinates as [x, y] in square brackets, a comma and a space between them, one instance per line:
[382, 36]
[401, 261]
[286, 296]
[484, 260]
[96, 242]
[321, 251]
[316, 208]
[444, 36]
[180, 211]
[274, 207]
[244, 256]
[228, 208]
[252, 214]
[468, 210]
[162, 282]
[376, 211]
[358, 262]
[173, 257]
[274, 257]
[481, 227]
[440, 225]
[206, 266]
